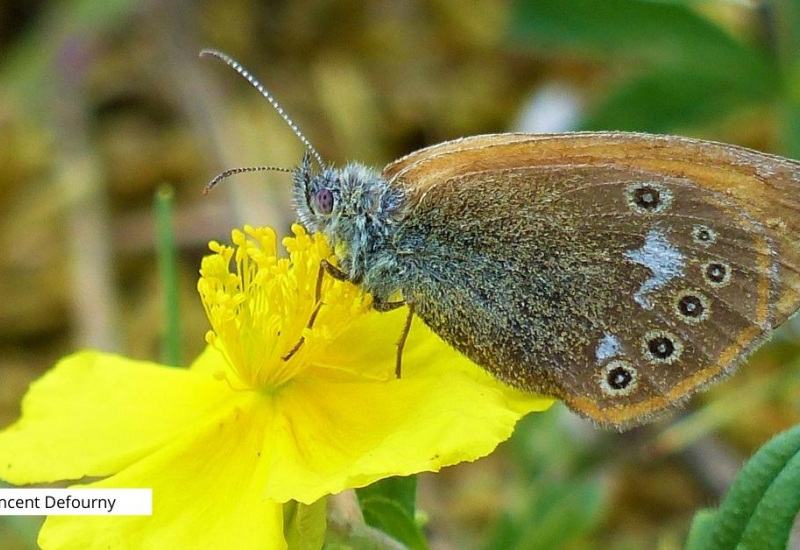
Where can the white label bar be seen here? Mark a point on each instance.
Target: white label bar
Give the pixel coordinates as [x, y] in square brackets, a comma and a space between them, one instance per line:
[76, 502]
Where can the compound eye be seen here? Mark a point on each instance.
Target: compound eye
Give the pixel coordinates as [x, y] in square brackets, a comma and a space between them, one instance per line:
[323, 200]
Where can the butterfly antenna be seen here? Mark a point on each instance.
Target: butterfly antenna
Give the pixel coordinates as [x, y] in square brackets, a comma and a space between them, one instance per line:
[236, 66]
[233, 171]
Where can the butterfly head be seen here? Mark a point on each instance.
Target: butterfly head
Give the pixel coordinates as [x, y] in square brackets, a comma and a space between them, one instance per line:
[348, 204]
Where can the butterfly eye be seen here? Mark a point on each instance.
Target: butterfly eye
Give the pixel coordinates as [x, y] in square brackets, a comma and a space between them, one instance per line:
[323, 200]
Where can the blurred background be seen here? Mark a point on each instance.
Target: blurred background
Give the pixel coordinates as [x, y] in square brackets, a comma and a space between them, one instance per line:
[103, 103]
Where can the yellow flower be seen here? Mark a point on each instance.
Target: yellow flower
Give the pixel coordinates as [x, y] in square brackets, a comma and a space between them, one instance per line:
[224, 443]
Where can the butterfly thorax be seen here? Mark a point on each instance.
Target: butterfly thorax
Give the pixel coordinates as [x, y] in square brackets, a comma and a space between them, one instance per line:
[358, 211]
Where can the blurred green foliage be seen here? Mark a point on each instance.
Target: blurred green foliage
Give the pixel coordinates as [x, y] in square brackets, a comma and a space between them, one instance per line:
[565, 501]
[681, 71]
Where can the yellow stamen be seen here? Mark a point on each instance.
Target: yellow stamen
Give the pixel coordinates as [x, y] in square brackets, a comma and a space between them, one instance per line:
[259, 305]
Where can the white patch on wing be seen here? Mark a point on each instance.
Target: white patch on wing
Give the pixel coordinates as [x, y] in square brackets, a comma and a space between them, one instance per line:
[664, 261]
[608, 347]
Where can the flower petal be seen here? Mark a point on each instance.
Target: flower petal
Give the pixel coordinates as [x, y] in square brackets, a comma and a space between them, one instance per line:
[96, 413]
[207, 492]
[337, 433]
[366, 346]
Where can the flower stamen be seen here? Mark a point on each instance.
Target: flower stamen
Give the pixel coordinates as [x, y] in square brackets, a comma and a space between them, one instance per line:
[272, 317]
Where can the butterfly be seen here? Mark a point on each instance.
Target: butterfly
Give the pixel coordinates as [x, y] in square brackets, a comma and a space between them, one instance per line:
[619, 272]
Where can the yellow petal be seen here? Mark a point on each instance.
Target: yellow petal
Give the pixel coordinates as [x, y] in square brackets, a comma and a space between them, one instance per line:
[335, 432]
[367, 346]
[96, 413]
[207, 492]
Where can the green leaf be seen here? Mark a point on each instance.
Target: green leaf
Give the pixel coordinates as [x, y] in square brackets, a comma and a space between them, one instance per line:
[773, 518]
[644, 32]
[760, 507]
[393, 519]
[304, 524]
[702, 529]
[402, 490]
[390, 505]
[673, 99]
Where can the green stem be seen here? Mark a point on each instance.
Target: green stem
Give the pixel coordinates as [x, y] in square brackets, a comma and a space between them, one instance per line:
[168, 271]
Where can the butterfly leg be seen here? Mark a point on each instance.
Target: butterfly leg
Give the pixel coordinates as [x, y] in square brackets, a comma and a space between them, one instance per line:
[377, 305]
[336, 273]
[401, 343]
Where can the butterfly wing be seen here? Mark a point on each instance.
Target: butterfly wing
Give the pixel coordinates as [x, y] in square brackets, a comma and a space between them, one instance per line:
[620, 272]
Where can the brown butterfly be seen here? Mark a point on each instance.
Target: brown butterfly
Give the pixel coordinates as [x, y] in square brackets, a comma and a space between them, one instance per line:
[620, 272]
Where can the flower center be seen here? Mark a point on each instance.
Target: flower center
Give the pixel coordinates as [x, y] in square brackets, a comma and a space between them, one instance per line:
[260, 306]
